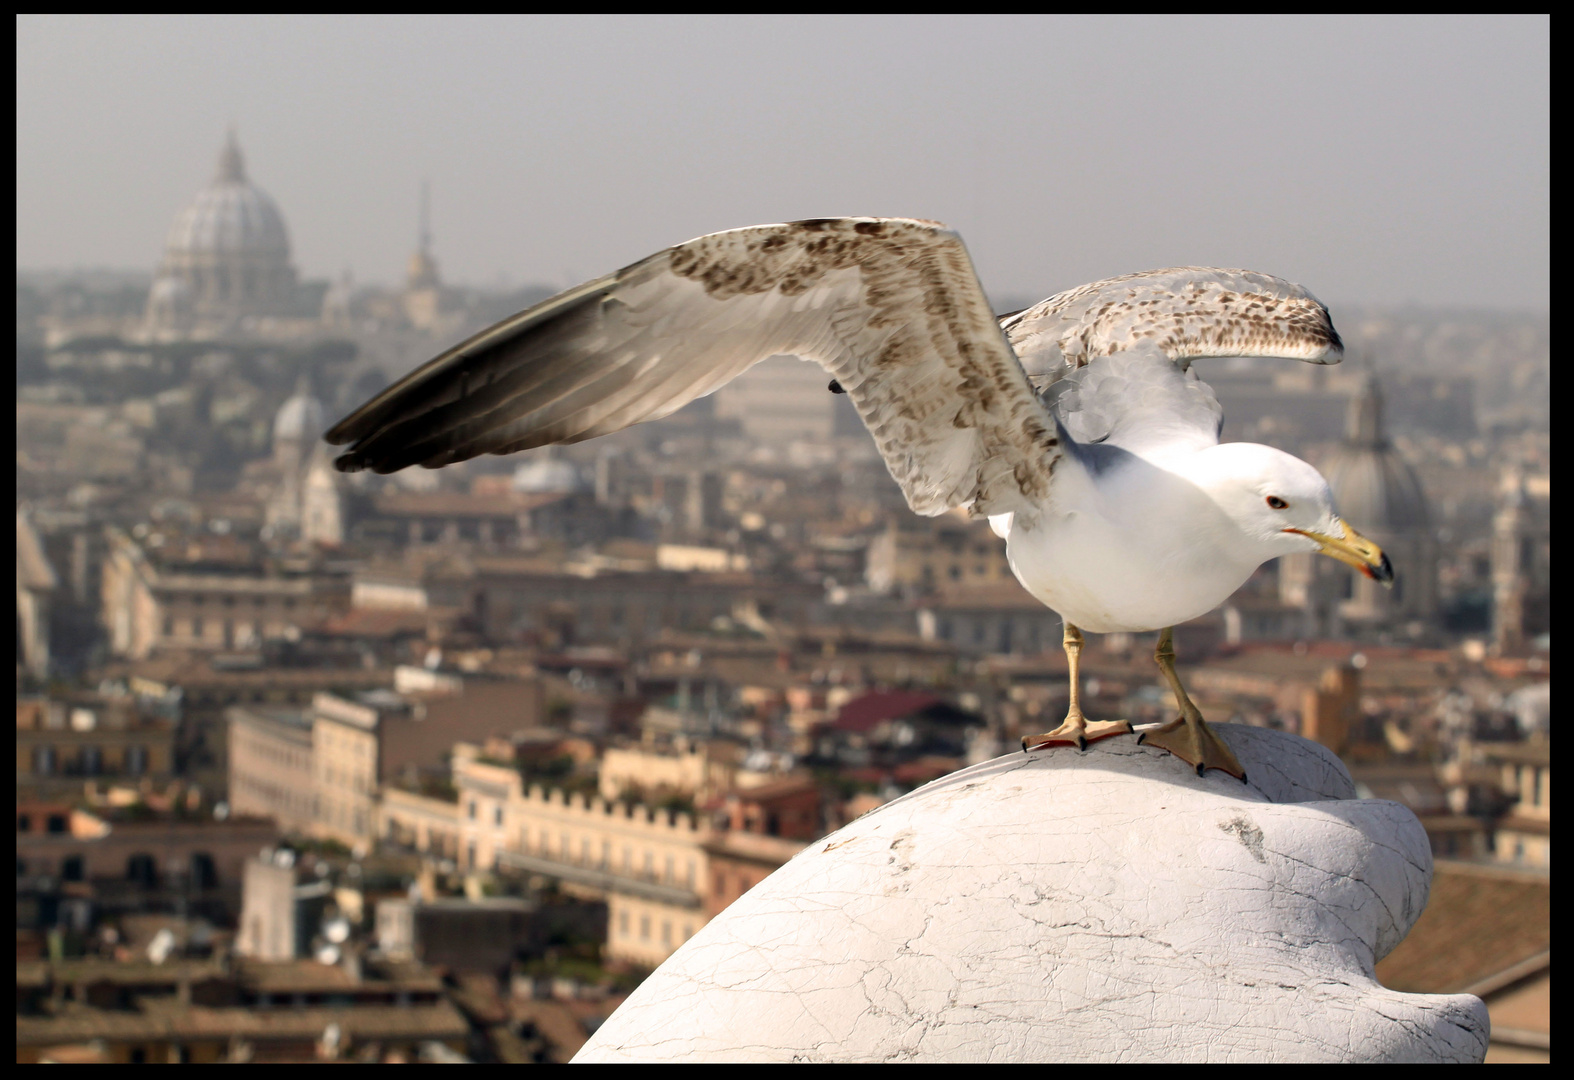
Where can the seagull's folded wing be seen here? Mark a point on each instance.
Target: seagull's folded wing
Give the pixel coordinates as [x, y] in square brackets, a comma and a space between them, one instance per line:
[890, 307]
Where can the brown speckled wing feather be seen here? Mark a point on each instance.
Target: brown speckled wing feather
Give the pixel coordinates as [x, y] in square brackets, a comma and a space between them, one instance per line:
[1187, 312]
[890, 307]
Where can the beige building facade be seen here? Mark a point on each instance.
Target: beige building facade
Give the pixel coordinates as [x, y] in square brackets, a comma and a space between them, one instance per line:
[148, 609]
[417, 822]
[683, 770]
[926, 554]
[344, 763]
[270, 766]
[649, 865]
[1524, 836]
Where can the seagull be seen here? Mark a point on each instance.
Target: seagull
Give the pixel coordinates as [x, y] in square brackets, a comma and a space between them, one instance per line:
[1075, 426]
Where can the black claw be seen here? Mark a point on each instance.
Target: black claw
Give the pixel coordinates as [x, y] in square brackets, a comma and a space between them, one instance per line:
[1141, 737]
[1243, 777]
[1082, 744]
[1201, 769]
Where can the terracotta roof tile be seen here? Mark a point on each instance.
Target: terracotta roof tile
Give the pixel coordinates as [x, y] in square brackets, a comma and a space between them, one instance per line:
[863, 713]
[1479, 920]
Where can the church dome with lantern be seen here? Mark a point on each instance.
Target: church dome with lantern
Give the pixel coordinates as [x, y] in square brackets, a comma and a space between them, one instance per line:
[227, 255]
[1371, 483]
[301, 418]
[1380, 494]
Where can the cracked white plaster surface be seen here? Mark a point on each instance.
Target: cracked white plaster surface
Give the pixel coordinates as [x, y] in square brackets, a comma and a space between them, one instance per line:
[1062, 906]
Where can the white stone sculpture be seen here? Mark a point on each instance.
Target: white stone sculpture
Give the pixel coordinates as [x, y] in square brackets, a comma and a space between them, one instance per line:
[1063, 906]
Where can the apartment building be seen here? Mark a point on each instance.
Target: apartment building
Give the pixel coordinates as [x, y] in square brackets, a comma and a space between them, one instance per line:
[1524, 835]
[324, 770]
[149, 606]
[924, 554]
[59, 743]
[648, 864]
[270, 765]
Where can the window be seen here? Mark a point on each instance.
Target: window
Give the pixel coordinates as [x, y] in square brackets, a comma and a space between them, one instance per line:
[44, 761]
[471, 809]
[497, 817]
[644, 927]
[55, 823]
[650, 864]
[142, 870]
[71, 868]
[136, 760]
[688, 931]
[623, 923]
[666, 933]
[24, 823]
[204, 873]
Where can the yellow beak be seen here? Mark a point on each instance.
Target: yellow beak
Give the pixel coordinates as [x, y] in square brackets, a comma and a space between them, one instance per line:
[1356, 550]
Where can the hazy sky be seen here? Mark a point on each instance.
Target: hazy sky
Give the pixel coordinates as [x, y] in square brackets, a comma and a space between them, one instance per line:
[1374, 160]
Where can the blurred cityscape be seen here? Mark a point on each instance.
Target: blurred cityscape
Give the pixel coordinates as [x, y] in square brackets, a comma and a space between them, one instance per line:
[436, 766]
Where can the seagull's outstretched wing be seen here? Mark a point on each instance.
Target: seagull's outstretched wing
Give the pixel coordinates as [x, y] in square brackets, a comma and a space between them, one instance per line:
[1186, 312]
[890, 307]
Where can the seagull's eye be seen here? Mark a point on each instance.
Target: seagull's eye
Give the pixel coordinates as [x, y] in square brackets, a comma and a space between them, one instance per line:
[1277, 503]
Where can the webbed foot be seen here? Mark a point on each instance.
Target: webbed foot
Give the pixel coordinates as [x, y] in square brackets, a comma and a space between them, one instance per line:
[1195, 744]
[1078, 732]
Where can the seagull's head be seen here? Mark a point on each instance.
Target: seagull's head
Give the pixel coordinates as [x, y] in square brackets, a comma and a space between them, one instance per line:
[1283, 506]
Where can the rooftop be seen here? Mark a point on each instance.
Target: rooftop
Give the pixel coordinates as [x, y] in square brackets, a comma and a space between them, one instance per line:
[1479, 920]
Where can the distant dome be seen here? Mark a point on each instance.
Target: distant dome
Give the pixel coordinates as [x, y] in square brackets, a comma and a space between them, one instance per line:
[547, 476]
[301, 418]
[230, 247]
[229, 216]
[1377, 489]
[1374, 488]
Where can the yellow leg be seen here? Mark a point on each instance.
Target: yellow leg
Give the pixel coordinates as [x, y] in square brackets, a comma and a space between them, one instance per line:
[1075, 730]
[1188, 736]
